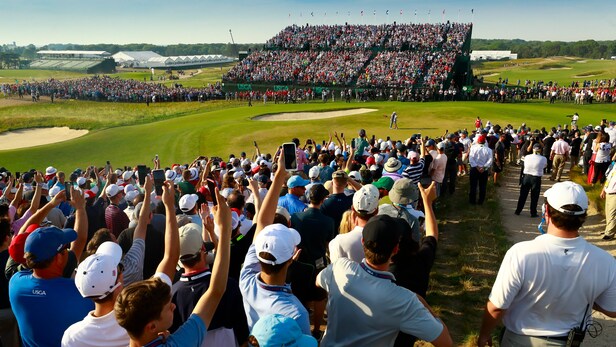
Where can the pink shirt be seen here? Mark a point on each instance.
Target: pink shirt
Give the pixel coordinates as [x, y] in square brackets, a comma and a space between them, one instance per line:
[561, 147]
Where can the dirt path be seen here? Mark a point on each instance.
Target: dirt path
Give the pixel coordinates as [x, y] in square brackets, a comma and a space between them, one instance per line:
[523, 227]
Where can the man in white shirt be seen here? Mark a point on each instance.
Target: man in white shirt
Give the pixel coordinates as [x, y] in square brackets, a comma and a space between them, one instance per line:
[548, 286]
[531, 182]
[365, 206]
[480, 159]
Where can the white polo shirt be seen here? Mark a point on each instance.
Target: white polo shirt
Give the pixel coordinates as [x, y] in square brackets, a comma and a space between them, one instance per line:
[347, 246]
[546, 284]
[366, 308]
[534, 164]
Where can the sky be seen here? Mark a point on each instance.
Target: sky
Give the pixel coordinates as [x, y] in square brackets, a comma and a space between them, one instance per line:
[167, 22]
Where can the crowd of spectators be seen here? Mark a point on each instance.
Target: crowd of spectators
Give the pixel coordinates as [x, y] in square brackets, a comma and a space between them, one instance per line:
[105, 88]
[253, 239]
[326, 37]
[331, 68]
[271, 66]
[392, 55]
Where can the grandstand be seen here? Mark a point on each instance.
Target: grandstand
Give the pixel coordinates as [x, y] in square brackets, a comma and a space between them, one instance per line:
[399, 56]
[80, 61]
[149, 59]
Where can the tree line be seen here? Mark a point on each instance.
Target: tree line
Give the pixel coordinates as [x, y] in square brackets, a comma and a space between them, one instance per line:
[542, 49]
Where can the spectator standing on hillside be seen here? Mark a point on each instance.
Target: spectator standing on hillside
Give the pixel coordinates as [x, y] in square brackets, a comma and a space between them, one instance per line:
[531, 181]
[550, 285]
[316, 230]
[559, 155]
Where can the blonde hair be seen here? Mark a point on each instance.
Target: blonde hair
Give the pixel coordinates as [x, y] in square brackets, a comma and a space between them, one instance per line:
[346, 224]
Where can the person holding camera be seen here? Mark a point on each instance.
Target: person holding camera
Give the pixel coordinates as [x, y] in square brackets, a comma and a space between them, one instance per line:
[547, 288]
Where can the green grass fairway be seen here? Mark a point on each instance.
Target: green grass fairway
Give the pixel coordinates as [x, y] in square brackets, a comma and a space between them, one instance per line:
[9, 76]
[563, 70]
[191, 129]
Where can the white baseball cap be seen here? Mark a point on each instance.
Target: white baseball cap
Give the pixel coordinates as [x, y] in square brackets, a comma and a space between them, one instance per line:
[112, 190]
[283, 212]
[188, 201]
[366, 200]
[277, 240]
[131, 195]
[52, 192]
[191, 241]
[50, 170]
[97, 276]
[81, 181]
[127, 175]
[128, 188]
[567, 193]
[355, 175]
[314, 172]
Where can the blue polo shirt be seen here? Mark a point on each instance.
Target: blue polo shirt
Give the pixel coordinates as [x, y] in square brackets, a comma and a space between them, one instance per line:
[292, 203]
[261, 299]
[45, 308]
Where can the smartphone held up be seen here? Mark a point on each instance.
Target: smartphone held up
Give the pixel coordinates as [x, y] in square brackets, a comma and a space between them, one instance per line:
[290, 156]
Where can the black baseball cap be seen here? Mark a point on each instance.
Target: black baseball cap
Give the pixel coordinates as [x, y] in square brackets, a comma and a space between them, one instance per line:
[382, 233]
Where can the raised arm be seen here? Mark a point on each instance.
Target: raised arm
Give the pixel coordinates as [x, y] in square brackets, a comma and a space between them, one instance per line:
[254, 186]
[36, 199]
[428, 196]
[19, 194]
[172, 235]
[81, 222]
[349, 161]
[37, 218]
[206, 306]
[268, 208]
[207, 229]
[144, 215]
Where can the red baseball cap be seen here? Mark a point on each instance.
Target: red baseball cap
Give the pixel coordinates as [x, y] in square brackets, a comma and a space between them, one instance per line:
[16, 248]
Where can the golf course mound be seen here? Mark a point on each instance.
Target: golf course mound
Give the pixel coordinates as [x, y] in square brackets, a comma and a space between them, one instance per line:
[24, 138]
[292, 116]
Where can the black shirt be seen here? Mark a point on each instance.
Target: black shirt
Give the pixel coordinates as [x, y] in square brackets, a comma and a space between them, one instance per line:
[239, 247]
[229, 313]
[316, 230]
[335, 205]
[154, 247]
[4, 282]
[412, 270]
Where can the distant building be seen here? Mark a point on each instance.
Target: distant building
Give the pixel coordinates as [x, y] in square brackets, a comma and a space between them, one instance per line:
[493, 55]
[69, 60]
[149, 59]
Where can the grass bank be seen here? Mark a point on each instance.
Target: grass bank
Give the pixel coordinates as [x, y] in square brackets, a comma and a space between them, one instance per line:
[472, 244]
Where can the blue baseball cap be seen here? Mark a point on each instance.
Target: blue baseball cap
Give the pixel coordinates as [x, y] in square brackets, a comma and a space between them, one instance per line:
[277, 330]
[45, 243]
[297, 181]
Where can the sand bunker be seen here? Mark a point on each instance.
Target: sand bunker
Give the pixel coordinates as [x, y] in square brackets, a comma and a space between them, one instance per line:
[311, 115]
[25, 138]
[559, 68]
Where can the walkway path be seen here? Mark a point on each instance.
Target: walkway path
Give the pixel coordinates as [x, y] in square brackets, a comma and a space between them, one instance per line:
[523, 227]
